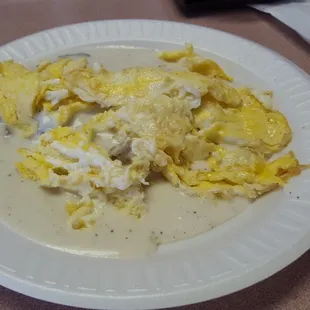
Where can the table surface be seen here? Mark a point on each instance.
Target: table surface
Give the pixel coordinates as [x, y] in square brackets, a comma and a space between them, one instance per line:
[286, 290]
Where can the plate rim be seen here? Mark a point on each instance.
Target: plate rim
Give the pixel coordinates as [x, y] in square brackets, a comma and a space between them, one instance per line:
[270, 267]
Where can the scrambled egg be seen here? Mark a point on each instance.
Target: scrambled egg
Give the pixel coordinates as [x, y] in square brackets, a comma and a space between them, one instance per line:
[18, 107]
[193, 126]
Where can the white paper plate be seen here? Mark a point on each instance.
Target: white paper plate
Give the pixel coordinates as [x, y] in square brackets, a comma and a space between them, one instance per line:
[262, 240]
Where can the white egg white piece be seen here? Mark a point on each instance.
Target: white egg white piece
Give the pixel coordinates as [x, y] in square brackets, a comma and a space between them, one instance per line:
[55, 96]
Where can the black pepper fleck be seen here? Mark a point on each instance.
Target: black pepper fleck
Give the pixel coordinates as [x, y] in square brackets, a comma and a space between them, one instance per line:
[290, 193]
[161, 232]
[7, 132]
[112, 230]
[297, 197]
[9, 214]
[195, 212]
[96, 235]
[9, 175]
[173, 237]
[130, 230]
[126, 238]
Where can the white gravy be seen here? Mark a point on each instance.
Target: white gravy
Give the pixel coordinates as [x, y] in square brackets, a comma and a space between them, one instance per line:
[40, 214]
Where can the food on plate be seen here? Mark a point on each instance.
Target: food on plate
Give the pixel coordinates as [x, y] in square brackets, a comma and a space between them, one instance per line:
[191, 125]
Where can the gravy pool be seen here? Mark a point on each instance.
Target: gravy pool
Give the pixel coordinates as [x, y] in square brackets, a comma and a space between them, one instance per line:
[40, 214]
